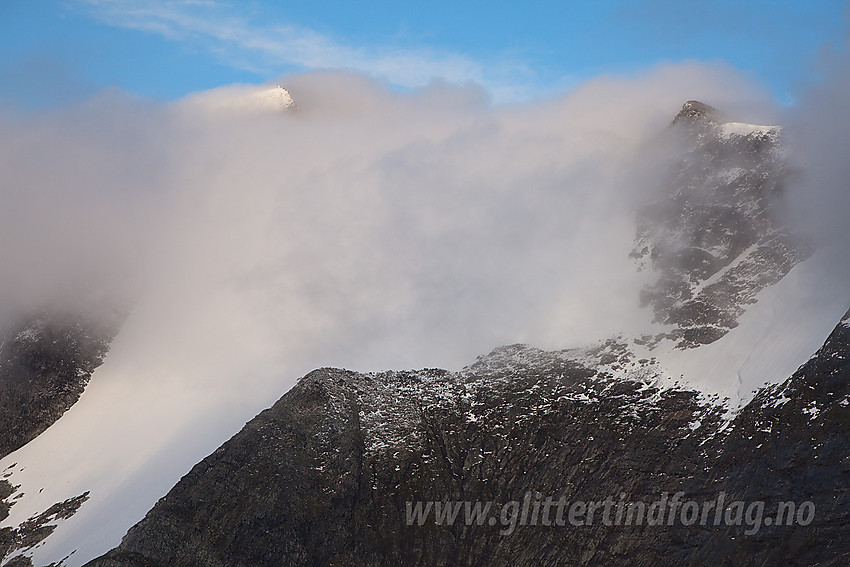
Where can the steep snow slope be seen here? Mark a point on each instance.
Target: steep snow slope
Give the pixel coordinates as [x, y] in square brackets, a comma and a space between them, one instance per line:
[787, 324]
[126, 441]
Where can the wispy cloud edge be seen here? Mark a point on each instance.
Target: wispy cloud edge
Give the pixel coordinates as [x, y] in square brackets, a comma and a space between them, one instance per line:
[275, 48]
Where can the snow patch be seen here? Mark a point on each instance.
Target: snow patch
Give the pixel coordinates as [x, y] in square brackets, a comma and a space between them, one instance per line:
[730, 129]
[28, 336]
[811, 410]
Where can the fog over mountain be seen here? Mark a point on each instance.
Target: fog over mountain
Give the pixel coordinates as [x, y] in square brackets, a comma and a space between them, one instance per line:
[364, 211]
[368, 229]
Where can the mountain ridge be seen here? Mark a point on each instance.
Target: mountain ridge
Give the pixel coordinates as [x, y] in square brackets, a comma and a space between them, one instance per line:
[319, 484]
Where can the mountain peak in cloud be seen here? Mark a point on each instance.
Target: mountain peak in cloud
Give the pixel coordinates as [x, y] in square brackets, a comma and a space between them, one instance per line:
[245, 100]
[277, 98]
[696, 111]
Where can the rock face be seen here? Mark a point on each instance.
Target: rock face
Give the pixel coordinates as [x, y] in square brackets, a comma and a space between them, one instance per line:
[31, 532]
[45, 364]
[714, 233]
[324, 476]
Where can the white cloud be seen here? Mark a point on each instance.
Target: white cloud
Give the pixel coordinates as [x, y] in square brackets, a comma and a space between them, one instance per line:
[370, 230]
[272, 49]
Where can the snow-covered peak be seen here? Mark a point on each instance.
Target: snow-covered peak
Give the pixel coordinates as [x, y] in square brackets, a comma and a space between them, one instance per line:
[243, 100]
[277, 98]
[702, 119]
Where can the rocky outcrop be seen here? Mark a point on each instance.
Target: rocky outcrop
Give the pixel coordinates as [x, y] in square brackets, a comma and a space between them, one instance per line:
[7, 535]
[36, 529]
[324, 477]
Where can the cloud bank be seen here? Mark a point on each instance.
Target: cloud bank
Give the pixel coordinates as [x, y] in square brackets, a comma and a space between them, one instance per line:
[371, 229]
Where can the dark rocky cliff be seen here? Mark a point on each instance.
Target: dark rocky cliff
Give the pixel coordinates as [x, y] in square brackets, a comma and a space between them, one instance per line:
[45, 364]
[324, 476]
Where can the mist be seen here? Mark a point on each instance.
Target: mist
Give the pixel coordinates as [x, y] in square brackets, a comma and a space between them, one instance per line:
[819, 128]
[372, 229]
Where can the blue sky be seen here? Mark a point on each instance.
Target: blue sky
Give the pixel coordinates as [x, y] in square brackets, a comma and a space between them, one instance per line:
[55, 52]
